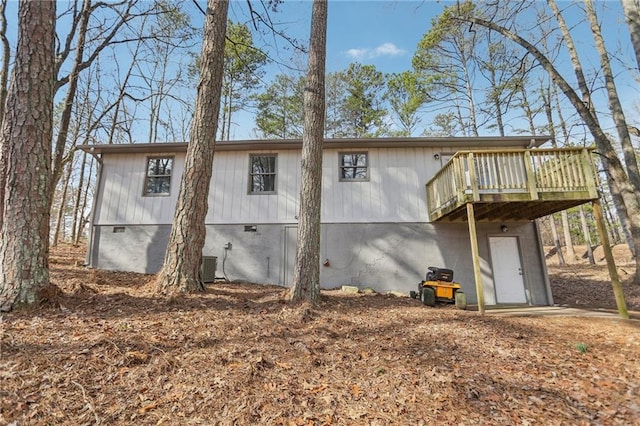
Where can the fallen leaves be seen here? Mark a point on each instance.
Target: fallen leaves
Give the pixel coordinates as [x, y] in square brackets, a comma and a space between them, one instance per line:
[237, 354]
[580, 284]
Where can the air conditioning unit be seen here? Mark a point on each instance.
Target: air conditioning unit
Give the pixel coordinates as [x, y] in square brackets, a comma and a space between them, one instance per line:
[208, 269]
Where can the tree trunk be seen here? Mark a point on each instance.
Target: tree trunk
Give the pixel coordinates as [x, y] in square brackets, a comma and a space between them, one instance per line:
[527, 109]
[575, 61]
[82, 220]
[620, 210]
[614, 228]
[122, 90]
[228, 123]
[6, 57]
[4, 79]
[618, 199]
[27, 129]
[77, 198]
[564, 216]
[556, 240]
[223, 117]
[306, 274]
[629, 193]
[61, 207]
[566, 233]
[566, 227]
[632, 14]
[587, 236]
[65, 118]
[495, 88]
[617, 113]
[472, 104]
[181, 269]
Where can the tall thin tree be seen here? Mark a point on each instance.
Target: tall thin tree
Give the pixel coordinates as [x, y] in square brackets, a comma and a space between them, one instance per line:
[545, 94]
[181, 270]
[585, 92]
[616, 172]
[445, 55]
[306, 273]
[4, 82]
[617, 114]
[65, 117]
[632, 14]
[564, 215]
[242, 74]
[27, 129]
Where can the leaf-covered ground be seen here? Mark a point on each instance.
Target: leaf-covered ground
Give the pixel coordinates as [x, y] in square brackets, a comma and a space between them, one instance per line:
[114, 353]
[582, 285]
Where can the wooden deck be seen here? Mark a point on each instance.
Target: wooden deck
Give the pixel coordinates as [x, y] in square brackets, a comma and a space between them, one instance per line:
[511, 185]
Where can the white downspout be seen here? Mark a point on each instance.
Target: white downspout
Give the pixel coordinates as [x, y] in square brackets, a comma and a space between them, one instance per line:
[89, 257]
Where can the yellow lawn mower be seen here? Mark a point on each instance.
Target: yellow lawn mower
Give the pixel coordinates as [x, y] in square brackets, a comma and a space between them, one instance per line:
[440, 287]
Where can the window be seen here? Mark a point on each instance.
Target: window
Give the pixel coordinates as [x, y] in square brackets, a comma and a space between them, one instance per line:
[354, 166]
[158, 178]
[262, 174]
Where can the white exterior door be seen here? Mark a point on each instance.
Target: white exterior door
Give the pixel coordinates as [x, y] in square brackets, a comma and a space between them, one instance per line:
[507, 270]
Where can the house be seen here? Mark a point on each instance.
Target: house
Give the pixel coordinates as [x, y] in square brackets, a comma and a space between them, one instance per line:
[391, 207]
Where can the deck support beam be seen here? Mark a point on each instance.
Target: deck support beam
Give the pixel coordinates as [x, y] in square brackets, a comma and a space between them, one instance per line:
[473, 236]
[613, 272]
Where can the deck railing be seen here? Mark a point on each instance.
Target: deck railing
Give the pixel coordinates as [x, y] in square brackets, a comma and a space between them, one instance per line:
[512, 175]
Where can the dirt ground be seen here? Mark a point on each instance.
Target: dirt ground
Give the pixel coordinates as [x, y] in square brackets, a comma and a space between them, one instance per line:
[114, 353]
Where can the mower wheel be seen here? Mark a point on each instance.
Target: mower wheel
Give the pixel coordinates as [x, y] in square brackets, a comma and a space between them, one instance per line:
[413, 294]
[428, 296]
[461, 300]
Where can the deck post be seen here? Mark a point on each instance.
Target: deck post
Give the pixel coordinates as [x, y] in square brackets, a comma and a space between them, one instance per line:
[458, 175]
[473, 236]
[589, 173]
[531, 176]
[472, 176]
[613, 272]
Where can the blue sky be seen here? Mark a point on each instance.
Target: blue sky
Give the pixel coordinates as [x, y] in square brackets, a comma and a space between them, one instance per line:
[385, 34]
[382, 33]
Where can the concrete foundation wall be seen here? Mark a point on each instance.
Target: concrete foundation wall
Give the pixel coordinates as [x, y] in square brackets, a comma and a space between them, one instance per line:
[383, 256]
[130, 248]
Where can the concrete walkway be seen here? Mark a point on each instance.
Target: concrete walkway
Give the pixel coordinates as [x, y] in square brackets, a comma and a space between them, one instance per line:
[527, 311]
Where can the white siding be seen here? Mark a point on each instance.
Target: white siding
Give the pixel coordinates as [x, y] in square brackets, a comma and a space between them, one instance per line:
[230, 201]
[122, 202]
[395, 191]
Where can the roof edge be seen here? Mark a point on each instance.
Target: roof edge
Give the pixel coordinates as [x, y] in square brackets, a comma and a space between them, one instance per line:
[346, 143]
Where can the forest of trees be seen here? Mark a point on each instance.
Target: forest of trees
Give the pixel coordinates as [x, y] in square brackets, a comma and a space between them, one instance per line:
[128, 71]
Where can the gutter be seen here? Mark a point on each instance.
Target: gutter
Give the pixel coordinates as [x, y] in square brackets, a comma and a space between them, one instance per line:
[518, 142]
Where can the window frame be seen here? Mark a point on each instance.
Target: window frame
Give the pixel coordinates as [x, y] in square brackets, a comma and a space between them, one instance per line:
[342, 167]
[250, 188]
[147, 176]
